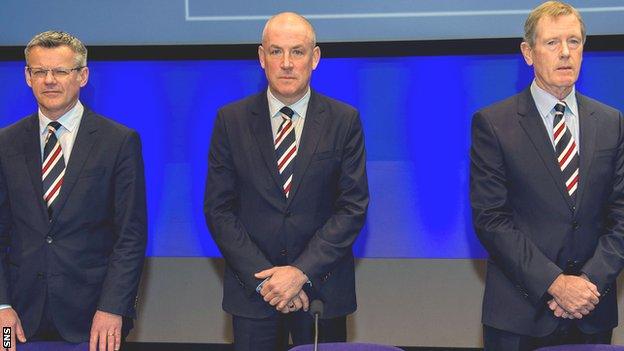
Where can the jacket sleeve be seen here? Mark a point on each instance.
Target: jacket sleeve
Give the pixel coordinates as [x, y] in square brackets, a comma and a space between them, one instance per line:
[220, 203]
[335, 238]
[608, 259]
[119, 290]
[511, 250]
[5, 240]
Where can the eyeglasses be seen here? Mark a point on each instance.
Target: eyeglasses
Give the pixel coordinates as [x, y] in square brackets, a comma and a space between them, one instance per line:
[58, 73]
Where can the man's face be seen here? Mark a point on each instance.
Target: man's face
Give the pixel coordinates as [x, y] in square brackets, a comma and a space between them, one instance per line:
[556, 54]
[55, 93]
[288, 58]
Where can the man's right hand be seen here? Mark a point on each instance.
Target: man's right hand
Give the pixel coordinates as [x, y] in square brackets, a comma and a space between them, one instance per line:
[576, 295]
[298, 302]
[9, 318]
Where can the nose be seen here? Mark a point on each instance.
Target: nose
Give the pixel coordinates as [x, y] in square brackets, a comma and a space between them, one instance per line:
[565, 50]
[286, 61]
[49, 78]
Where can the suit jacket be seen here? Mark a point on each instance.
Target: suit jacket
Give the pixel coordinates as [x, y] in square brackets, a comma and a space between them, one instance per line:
[256, 227]
[530, 227]
[90, 254]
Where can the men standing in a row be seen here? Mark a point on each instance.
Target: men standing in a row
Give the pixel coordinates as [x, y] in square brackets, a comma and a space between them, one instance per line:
[72, 209]
[547, 182]
[286, 196]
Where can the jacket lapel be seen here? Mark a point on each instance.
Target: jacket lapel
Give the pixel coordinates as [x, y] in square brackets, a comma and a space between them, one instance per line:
[80, 151]
[310, 136]
[587, 143]
[32, 153]
[532, 123]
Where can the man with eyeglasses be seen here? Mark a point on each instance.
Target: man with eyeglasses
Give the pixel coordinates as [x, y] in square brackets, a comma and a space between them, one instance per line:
[547, 196]
[72, 209]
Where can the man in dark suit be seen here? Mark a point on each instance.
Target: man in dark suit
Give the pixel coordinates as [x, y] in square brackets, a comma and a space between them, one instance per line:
[547, 168]
[72, 209]
[285, 201]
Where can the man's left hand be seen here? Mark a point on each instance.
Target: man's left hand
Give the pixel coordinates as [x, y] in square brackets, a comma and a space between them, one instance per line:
[285, 283]
[105, 332]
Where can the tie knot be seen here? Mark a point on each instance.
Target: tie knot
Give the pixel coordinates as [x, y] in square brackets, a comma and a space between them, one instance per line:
[287, 111]
[560, 107]
[54, 126]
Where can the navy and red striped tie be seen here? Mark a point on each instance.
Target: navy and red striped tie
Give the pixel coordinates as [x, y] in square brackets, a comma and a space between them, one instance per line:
[566, 150]
[286, 149]
[53, 167]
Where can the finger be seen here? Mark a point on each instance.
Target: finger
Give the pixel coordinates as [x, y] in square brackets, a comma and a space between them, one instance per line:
[304, 299]
[13, 342]
[297, 304]
[19, 331]
[110, 340]
[559, 312]
[265, 273]
[577, 315]
[270, 296]
[584, 311]
[282, 303]
[593, 288]
[102, 340]
[552, 305]
[275, 301]
[93, 339]
[117, 340]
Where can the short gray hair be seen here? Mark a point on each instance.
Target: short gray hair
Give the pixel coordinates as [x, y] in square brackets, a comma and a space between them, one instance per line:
[551, 9]
[54, 39]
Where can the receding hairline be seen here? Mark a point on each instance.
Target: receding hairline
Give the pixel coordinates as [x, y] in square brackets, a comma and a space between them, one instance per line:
[293, 18]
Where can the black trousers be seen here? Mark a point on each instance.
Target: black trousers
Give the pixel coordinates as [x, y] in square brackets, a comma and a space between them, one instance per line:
[567, 333]
[272, 334]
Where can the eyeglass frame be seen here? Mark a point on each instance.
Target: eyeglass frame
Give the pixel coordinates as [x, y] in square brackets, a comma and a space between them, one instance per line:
[54, 71]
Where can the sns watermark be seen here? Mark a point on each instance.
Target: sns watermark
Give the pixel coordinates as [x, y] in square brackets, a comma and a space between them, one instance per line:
[6, 337]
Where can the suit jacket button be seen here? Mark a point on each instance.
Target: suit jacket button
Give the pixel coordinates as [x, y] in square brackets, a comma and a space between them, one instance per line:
[284, 252]
[49, 239]
[287, 213]
[575, 225]
[40, 275]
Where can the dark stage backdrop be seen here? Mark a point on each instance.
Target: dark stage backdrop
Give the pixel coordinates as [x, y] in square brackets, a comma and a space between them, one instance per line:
[416, 113]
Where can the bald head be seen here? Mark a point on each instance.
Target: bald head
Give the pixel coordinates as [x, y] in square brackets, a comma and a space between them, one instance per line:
[288, 55]
[289, 21]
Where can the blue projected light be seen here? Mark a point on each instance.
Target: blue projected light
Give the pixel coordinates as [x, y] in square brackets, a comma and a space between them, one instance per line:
[416, 113]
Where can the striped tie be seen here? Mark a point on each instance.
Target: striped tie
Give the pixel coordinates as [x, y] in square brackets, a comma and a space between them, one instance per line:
[567, 150]
[286, 149]
[53, 168]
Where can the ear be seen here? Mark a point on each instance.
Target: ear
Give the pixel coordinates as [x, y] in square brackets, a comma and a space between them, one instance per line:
[83, 76]
[316, 56]
[527, 53]
[261, 55]
[27, 76]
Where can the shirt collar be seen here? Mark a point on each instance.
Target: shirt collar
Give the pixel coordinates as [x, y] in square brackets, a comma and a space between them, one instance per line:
[299, 107]
[69, 120]
[546, 102]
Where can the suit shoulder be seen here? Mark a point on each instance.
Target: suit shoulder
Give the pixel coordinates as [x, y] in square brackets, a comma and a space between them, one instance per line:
[109, 125]
[239, 106]
[15, 127]
[599, 107]
[500, 109]
[336, 106]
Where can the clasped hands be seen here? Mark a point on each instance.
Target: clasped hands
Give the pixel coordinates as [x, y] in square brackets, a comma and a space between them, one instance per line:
[573, 296]
[283, 288]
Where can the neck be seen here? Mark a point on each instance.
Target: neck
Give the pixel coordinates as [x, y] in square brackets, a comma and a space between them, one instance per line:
[54, 115]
